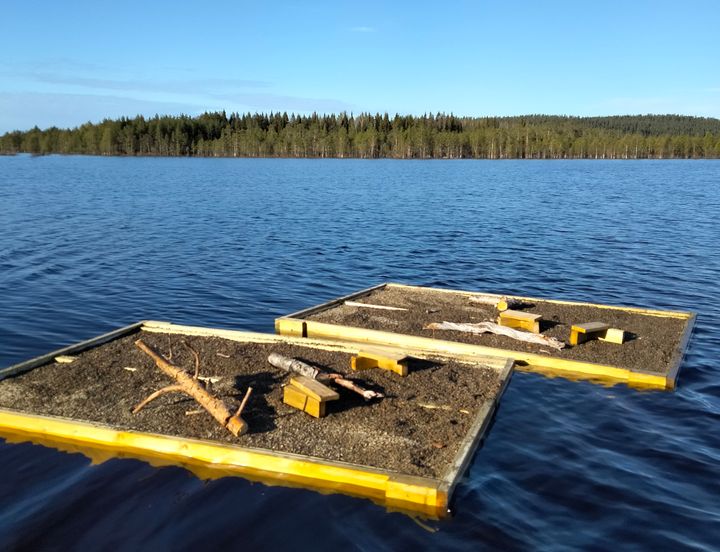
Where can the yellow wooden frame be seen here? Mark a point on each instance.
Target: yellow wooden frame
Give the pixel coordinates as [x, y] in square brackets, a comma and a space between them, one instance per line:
[298, 324]
[396, 491]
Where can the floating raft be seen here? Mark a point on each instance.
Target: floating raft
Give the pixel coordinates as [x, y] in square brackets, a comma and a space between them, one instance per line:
[407, 451]
[612, 344]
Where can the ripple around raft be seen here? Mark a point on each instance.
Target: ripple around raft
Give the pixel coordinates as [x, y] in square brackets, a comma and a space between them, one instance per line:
[90, 244]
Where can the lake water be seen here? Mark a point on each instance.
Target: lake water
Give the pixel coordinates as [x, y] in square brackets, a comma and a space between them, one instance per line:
[90, 244]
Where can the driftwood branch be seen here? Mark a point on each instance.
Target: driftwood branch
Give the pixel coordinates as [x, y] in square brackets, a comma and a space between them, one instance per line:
[190, 386]
[491, 327]
[299, 367]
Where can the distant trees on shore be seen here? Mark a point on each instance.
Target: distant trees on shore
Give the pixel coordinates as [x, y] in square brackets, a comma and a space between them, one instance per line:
[437, 136]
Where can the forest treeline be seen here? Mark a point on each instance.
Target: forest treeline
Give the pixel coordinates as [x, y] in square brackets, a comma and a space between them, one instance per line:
[438, 136]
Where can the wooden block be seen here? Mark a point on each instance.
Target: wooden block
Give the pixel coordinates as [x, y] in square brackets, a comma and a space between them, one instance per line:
[294, 397]
[64, 359]
[314, 389]
[614, 335]
[386, 359]
[297, 398]
[382, 353]
[315, 408]
[580, 333]
[519, 319]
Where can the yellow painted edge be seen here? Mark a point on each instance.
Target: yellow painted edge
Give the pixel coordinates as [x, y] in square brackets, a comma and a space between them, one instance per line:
[355, 346]
[367, 482]
[637, 310]
[469, 351]
[349, 347]
[248, 337]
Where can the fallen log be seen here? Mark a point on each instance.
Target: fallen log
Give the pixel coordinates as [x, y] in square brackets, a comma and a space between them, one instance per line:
[299, 367]
[484, 299]
[189, 385]
[491, 327]
[500, 303]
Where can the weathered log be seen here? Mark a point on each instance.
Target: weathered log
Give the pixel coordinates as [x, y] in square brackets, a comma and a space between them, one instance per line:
[500, 303]
[190, 386]
[491, 327]
[293, 365]
[484, 299]
[299, 367]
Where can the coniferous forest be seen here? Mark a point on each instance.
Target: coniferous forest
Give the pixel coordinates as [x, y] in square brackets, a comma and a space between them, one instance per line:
[437, 136]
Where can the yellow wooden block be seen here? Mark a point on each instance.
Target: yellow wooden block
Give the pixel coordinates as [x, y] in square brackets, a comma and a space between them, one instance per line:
[387, 359]
[580, 333]
[315, 408]
[313, 388]
[614, 335]
[519, 319]
[298, 398]
[294, 397]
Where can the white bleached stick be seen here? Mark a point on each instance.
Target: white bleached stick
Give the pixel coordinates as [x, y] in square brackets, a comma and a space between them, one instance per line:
[491, 327]
[366, 306]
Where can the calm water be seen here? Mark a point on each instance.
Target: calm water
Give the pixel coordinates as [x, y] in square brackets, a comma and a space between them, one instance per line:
[91, 244]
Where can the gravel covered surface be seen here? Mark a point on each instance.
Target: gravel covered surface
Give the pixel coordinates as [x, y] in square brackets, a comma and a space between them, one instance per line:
[394, 433]
[652, 343]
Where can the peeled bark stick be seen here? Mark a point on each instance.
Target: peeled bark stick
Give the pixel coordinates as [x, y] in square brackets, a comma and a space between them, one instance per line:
[293, 365]
[491, 327]
[367, 394]
[190, 386]
[244, 401]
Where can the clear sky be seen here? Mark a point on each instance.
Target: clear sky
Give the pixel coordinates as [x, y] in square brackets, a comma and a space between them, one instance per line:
[67, 62]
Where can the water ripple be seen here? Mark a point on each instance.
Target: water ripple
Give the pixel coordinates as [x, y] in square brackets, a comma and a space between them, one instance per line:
[90, 244]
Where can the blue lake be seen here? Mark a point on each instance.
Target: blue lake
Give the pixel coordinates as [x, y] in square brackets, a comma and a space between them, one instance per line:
[91, 244]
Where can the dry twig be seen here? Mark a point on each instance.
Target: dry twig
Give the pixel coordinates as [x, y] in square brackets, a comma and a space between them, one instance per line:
[190, 386]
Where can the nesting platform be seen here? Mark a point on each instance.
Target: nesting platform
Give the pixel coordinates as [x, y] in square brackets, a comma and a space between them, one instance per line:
[640, 347]
[406, 451]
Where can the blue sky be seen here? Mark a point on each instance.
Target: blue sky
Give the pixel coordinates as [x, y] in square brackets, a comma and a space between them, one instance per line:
[65, 63]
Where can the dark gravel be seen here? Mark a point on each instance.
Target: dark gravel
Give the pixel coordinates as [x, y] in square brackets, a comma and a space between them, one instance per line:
[651, 347]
